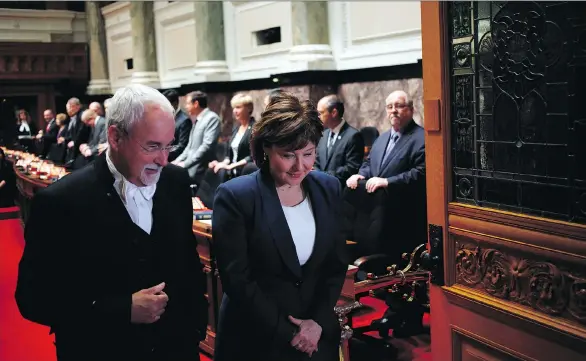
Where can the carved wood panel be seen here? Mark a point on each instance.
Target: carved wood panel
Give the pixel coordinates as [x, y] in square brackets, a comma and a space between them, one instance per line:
[36, 61]
[548, 286]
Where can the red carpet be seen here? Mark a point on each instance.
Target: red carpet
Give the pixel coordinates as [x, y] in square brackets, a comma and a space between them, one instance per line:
[20, 340]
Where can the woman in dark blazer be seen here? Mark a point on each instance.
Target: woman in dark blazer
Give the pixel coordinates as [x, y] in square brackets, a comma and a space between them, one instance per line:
[278, 243]
[238, 154]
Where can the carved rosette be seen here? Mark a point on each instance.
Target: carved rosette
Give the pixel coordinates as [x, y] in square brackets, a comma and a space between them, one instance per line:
[540, 285]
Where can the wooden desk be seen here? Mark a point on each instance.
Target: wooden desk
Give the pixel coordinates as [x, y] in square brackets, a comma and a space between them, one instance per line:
[203, 235]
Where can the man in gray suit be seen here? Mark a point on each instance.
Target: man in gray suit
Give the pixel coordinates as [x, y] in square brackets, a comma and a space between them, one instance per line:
[88, 151]
[203, 139]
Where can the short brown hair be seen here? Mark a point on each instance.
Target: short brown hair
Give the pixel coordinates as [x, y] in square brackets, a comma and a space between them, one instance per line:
[201, 97]
[288, 123]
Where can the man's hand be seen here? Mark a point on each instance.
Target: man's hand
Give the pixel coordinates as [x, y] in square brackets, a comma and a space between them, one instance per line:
[70, 144]
[212, 164]
[375, 183]
[352, 182]
[87, 152]
[220, 165]
[307, 338]
[102, 147]
[60, 140]
[149, 304]
[82, 148]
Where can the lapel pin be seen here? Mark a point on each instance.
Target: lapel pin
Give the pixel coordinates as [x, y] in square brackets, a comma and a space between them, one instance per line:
[339, 137]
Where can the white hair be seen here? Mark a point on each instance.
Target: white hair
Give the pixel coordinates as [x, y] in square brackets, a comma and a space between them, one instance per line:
[128, 104]
[88, 113]
[402, 93]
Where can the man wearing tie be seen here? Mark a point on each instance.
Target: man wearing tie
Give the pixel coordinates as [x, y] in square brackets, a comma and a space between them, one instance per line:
[47, 136]
[396, 164]
[340, 151]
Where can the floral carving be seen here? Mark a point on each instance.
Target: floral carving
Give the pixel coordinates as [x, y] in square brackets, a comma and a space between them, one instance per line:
[537, 284]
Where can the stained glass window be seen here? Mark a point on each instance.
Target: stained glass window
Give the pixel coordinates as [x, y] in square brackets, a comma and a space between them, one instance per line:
[518, 90]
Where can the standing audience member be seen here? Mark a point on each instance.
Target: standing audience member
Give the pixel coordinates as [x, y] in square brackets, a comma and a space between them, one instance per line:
[340, 151]
[48, 136]
[77, 131]
[279, 246]
[125, 281]
[182, 125]
[203, 140]
[239, 145]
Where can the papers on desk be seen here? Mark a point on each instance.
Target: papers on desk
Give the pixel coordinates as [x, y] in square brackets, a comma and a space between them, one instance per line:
[200, 211]
[203, 214]
[206, 221]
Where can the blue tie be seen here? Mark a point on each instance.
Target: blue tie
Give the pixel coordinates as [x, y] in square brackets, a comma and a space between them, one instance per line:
[390, 146]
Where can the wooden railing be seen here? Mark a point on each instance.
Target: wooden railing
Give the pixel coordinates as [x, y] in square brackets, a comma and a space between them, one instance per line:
[42, 61]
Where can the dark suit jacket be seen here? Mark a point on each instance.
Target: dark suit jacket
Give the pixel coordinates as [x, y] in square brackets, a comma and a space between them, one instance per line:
[346, 155]
[243, 146]
[79, 133]
[262, 279]
[405, 208]
[80, 281]
[182, 131]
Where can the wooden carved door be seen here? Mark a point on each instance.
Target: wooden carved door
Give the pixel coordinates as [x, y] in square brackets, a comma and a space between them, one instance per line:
[505, 119]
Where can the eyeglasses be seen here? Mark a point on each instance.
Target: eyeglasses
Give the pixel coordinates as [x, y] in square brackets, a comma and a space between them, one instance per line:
[153, 148]
[396, 106]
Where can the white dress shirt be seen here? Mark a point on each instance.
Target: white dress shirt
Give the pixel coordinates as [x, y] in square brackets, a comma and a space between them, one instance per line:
[137, 200]
[336, 132]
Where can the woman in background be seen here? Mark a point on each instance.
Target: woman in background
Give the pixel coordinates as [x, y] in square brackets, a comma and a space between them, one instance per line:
[279, 246]
[239, 145]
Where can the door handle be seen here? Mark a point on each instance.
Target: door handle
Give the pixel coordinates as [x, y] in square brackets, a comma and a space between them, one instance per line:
[432, 260]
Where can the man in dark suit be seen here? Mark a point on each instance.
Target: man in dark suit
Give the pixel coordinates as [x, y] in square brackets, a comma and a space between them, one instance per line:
[182, 125]
[77, 131]
[124, 282]
[48, 136]
[340, 151]
[396, 165]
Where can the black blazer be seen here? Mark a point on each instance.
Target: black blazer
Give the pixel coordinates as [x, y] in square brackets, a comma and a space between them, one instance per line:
[182, 131]
[346, 155]
[404, 169]
[262, 279]
[80, 282]
[243, 146]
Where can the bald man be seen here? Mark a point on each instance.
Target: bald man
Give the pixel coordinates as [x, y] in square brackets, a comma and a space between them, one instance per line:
[396, 163]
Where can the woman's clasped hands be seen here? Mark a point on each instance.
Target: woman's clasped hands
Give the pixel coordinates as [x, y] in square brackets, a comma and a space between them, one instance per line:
[307, 338]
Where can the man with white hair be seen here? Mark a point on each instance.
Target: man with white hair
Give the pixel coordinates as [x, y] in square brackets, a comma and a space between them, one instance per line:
[100, 125]
[395, 172]
[125, 281]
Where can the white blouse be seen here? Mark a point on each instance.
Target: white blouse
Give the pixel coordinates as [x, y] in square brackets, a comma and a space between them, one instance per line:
[302, 226]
